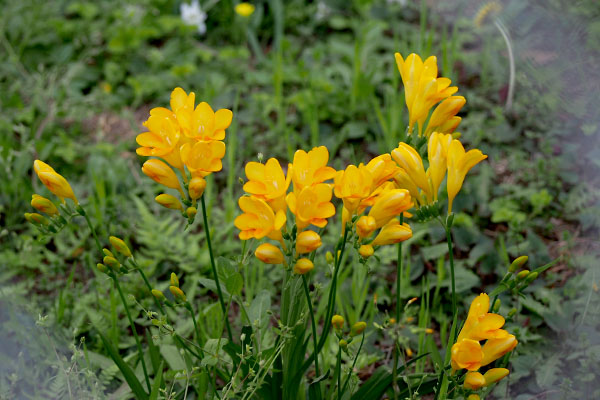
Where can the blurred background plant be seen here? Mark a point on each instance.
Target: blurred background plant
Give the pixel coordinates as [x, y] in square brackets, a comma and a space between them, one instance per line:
[78, 78]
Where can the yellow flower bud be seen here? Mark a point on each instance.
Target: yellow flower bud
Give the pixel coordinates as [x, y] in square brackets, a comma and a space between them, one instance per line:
[269, 254]
[55, 182]
[102, 268]
[158, 295]
[496, 306]
[107, 252]
[177, 293]
[174, 280]
[429, 330]
[303, 266]
[358, 328]
[531, 277]
[518, 263]
[160, 172]
[329, 257]
[392, 321]
[389, 205]
[244, 9]
[307, 241]
[111, 262]
[196, 187]
[474, 380]
[366, 250]
[120, 246]
[365, 226]
[191, 212]
[36, 219]
[337, 321]
[494, 375]
[523, 274]
[168, 201]
[343, 344]
[473, 396]
[495, 348]
[44, 205]
[409, 352]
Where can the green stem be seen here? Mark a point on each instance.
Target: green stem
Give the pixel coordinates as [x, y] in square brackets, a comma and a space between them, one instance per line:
[188, 306]
[214, 268]
[147, 282]
[135, 335]
[312, 321]
[451, 257]
[398, 299]
[82, 212]
[353, 364]
[338, 369]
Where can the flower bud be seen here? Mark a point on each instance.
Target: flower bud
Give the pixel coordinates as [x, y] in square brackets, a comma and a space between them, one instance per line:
[168, 201]
[196, 187]
[329, 257]
[496, 306]
[474, 380]
[392, 321]
[174, 280]
[365, 226]
[111, 262]
[158, 295]
[366, 250]
[160, 172]
[409, 352]
[55, 182]
[337, 321]
[473, 396]
[358, 328]
[517, 263]
[303, 266]
[44, 205]
[523, 274]
[245, 9]
[107, 252]
[307, 241]
[269, 254]
[177, 293]
[512, 312]
[494, 375]
[343, 344]
[429, 330]
[102, 268]
[120, 246]
[191, 212]
[36, 219]
[531, 277]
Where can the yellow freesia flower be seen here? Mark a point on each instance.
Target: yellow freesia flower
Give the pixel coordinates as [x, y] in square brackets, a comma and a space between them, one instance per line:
[268, 182]
[444, 113]
[467, 353]
[258, 219]
[493, 375]
[169, 201]
[366, 250]
[474, 380]
[410, 161]
[55, 182]
[382, 169]
[44, 205]
[423, 89]
[196, 187]
[160, 172]
[337, 321]
[437, 152]
[312, 205]
[365, 226]
[311, 168]
[307, 242]
[353, 185]
[459, 163]
[495, 348]
[480, 324]
[303, 266]
[162, 139]
[203, 158]
[269, 254]
[389, 205]
[244, 9]
[392, 232]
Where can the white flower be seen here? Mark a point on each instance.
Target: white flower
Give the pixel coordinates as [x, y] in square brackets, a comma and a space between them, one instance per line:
[192, 14]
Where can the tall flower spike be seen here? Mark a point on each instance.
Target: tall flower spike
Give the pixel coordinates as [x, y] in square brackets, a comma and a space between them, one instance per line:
[268, 182]
[55, 182]
[312, 205]
[459, 163]
[311, 168]
[258, 219]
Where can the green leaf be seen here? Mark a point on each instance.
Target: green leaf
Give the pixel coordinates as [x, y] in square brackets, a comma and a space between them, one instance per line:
[171, 354]
[132, 380]
[258, 309]
[213, 351]
[157, 382]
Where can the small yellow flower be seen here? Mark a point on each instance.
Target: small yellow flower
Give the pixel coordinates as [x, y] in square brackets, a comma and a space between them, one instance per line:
[174, 279]
[358, 328]
[494, 375]
[55, 182]
[120, 246]
[467, 353]
[162, 139]
[352, 186]
[366, 250]
[443, 113]
[111, 262]
[269, 254]
[168, 201]
[158, 295]
[191, 212]
[258, 219]
[312, 205]
[303, 266]
[392, 232]
[307, 241]
[474, 380]
[244, 9]
[410, 161]
[44, 205]
[409, 352]
[178, 293]
[437, 152]
[337, 321]
[389, 205]
[160, 172]
[365, 226]
[268, 182]
[495, 348]
[203, 158]
[459, 163]
[311, 168]
[196, 187]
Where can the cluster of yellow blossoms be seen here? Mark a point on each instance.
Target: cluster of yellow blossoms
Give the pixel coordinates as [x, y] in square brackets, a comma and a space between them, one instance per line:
[186, 137]
[468, 353]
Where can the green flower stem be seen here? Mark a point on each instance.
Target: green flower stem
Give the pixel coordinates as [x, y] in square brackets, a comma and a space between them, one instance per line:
[312, 321]
[147, 282]
[362, 340]
[135, 335]
[214, 268]
[398, 299]
[82, 212]
[338, 370]
[188, 307]
[451, 258]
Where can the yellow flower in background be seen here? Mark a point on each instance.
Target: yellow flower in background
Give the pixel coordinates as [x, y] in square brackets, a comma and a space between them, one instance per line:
[392, 232]
[55, 182]
[467, 353]
[162, 139]
[474, 380]
[443, 113]
[160, 172]
[437, 152]
[268, 182]
[312, 205]
[382, 169]
[269, 254]
[389, 205]
[244, 9]
[410, 161]
[303, 266]
[423, 89]
[311, 168]
[494, 348]
[307, 242]
[459, 163]
[353, 185]
[258, 219]
[44, 205]
[203, 158]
